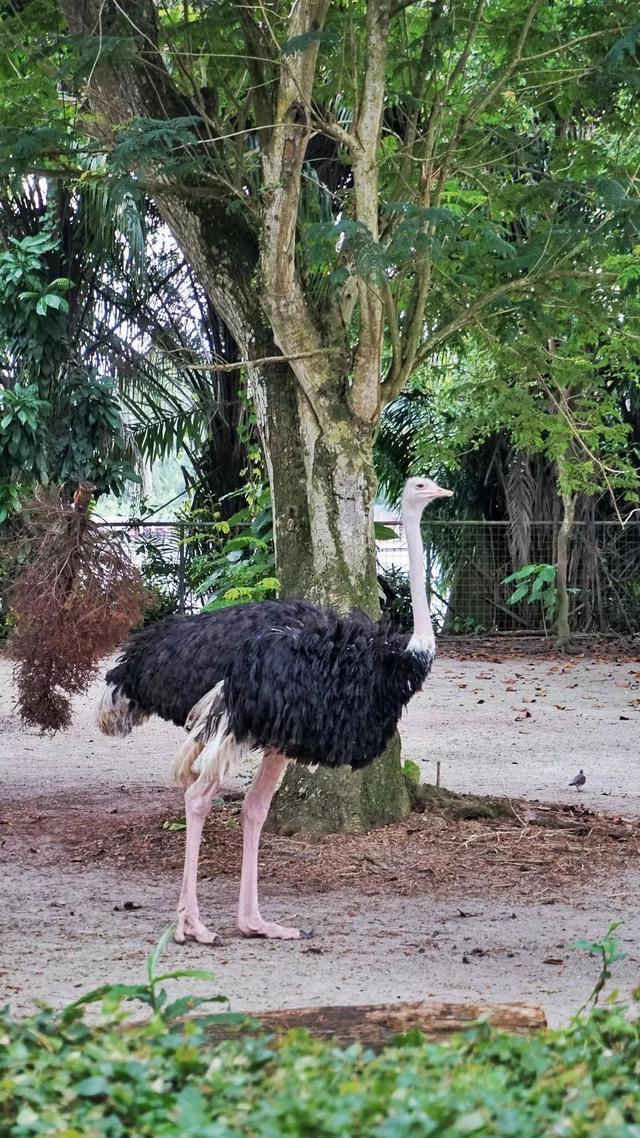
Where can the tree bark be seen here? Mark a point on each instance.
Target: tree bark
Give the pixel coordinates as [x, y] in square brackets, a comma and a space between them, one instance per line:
[563, 642]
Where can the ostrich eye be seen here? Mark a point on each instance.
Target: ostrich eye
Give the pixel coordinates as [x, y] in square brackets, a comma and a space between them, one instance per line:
[419, 485]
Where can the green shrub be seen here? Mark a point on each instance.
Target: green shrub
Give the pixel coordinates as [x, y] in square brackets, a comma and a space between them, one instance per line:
[161, 1078]
[61, 1076]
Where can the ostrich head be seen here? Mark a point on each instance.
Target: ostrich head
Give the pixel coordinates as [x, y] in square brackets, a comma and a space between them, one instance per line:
[419, 491]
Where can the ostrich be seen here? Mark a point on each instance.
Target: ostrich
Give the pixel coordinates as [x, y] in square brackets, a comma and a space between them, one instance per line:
[293, 680]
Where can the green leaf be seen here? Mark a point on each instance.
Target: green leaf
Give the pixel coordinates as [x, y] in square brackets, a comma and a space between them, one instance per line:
[411, 771]
[384, 533]
[92, 1086]
[154, 956]
[186, 1004]
[521, 592]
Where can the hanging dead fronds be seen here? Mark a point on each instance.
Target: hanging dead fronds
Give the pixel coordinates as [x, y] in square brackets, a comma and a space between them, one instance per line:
[75, 595]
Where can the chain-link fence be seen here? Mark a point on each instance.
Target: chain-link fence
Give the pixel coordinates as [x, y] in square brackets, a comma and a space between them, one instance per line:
[466, 566]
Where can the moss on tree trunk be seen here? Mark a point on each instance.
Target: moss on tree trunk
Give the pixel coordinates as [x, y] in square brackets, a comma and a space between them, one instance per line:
[328, 801]
[563, 642]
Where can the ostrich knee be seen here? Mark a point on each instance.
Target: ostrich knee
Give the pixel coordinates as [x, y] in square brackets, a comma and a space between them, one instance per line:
[255, 808]
[197, 804]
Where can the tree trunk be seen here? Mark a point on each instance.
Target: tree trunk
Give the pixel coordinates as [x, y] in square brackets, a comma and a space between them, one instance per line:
[336, 502]
[563, 642]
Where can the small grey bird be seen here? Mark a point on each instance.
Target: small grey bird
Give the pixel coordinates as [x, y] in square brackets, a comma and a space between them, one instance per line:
[579, 780]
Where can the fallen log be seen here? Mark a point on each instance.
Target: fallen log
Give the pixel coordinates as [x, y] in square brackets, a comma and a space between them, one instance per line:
[376, 1024]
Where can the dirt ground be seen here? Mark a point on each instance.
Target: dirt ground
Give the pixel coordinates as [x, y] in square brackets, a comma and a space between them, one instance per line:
[462, 908]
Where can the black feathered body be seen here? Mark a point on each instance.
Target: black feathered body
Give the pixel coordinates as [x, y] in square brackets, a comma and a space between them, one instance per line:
[320, 688]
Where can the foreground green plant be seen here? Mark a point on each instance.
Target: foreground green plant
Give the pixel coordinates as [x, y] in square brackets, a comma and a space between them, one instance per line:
[60, 1075]
[608, 951]
[536, 583]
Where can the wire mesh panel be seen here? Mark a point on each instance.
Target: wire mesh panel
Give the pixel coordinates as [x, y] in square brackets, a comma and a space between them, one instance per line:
[170, 556]
[469, 563]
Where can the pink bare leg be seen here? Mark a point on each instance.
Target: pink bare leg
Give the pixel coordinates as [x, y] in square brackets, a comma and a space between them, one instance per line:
[198, 799]
[254, 812]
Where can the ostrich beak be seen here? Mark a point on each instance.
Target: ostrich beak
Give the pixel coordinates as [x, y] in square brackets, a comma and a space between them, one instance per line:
[440, 492]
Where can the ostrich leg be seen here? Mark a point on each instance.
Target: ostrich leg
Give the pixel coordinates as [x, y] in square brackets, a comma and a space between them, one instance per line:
[254, 812]
[197, 799]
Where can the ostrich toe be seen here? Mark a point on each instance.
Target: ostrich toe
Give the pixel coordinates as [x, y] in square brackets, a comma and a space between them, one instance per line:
[190, 927]
[270, 930]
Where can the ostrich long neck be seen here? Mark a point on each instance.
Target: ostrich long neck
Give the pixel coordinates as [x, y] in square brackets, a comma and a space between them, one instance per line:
[423, 639]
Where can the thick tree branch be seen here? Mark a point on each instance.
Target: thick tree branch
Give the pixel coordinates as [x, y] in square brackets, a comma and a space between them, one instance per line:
[394, 336]
[295, 329]
[364, 394]
[261, 62]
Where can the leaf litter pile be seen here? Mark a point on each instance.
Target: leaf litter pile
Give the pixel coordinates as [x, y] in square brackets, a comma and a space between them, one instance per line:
[496, 649]
[449, 844]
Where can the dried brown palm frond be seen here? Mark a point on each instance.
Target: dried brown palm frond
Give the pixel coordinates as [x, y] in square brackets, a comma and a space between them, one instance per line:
[75, 594]
[520, 498]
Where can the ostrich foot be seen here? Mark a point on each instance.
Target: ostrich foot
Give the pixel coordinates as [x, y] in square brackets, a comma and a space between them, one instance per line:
[257, 927]
[190, 927]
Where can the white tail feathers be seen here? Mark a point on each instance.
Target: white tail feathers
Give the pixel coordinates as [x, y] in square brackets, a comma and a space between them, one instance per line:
[210, 750]
[118, 715]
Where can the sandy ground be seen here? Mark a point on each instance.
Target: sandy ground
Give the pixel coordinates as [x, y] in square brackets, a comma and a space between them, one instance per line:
[519, 729]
